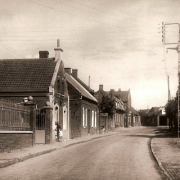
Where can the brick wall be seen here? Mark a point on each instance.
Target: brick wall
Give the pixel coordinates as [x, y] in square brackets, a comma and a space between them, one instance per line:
[73, 93]
[12, 141]
[75, 118]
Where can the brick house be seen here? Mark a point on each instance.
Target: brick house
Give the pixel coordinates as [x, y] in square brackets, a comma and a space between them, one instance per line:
[83, 107]
[132, 117]
[156, 116]
[135, 117]
[42, 78]
[118, 118]
[126, 99]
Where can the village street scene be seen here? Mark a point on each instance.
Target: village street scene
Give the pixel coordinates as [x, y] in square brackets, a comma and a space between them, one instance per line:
[89, 90]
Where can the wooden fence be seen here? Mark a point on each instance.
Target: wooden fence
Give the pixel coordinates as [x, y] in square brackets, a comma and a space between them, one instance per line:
[14, 117]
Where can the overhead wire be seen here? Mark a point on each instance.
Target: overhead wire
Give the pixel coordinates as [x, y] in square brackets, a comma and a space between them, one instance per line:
[173, 12]
[117, 16]
[169, 11]
[9, 48]
[87, 34]
[155, 20]
[107, 24]
[77, 16]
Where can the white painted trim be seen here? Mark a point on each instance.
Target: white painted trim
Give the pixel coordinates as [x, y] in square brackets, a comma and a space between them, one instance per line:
[55, 73]
[16, 132]
[84, 89]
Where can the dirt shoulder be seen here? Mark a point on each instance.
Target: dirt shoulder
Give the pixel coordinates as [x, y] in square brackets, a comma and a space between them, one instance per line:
[166, 150]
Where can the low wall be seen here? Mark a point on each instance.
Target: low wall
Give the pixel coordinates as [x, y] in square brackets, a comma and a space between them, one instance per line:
[12, 140]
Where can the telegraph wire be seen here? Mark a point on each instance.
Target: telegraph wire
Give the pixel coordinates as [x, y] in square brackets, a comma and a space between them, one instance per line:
[100, 10]
[87, 34]
[173, 12]
[131, 13]
[125, 28]
[62, 29]
[9, 48]
[169, 11]
[110, 37]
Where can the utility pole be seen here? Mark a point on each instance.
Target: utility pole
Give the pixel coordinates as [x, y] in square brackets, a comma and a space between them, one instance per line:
[178, 51]
[169, 94]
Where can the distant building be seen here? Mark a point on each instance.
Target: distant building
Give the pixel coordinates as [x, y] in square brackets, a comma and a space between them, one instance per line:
[132, 117]
[118, 118]
[156, 116]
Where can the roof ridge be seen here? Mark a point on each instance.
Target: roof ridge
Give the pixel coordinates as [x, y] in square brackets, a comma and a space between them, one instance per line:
[86, 94]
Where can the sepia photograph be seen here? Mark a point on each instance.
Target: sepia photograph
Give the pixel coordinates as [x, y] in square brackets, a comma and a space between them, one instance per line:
[89, 89]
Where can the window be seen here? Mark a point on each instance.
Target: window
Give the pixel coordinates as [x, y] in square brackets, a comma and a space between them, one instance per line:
[84, 117]
[95, 119]
[92, 117]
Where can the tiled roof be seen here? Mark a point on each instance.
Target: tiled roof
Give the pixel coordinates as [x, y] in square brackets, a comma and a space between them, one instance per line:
[26, 75]
[84, 85]
[133, 111]
[99, 94]
[79, 87]
[154, 111]
[143, 112]
[102, 92]
[124, 95]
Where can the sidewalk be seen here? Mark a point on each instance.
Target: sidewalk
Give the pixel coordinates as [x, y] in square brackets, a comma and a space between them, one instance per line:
[166, 151]
[15, 156]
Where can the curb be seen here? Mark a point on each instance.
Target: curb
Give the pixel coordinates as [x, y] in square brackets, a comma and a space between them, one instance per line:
[158, 161]
[21, 159]
[16, 160]
[88, 140]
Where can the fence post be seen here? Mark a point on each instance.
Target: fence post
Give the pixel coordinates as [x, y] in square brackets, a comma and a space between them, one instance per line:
[32, 119]
[49, 120]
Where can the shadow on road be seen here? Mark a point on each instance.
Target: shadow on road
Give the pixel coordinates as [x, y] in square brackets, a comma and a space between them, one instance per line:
[158, 132]
[143, 136]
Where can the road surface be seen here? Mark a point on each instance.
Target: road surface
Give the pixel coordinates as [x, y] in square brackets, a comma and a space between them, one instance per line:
[124, 156]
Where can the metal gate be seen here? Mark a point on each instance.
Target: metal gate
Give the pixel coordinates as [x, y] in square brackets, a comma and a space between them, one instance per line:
[40, 133]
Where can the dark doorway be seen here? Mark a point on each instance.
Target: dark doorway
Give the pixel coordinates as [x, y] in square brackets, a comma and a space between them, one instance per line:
[163, 121]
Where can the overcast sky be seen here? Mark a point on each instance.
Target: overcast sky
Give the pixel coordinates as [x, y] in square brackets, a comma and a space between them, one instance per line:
[115, 42]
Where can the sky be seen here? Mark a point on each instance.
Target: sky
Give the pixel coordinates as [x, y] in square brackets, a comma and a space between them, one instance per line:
[117, 43]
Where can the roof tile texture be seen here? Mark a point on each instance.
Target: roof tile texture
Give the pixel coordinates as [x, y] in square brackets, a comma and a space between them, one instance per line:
[26, 75]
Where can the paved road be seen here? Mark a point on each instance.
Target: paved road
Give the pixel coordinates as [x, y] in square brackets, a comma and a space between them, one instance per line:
[125, 156]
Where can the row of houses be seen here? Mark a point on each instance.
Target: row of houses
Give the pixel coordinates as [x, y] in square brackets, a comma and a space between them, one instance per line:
[156, 116]
[62, 105]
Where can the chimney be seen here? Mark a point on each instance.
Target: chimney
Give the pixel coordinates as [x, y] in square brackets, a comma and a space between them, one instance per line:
[68, 70]
[101, 87]
[119, 93]
[43, 54]
[58, 51]
[75, 73]
[112, 93]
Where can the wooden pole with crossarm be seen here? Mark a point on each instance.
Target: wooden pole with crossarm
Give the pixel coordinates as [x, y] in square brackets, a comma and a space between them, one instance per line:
[178, 51]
